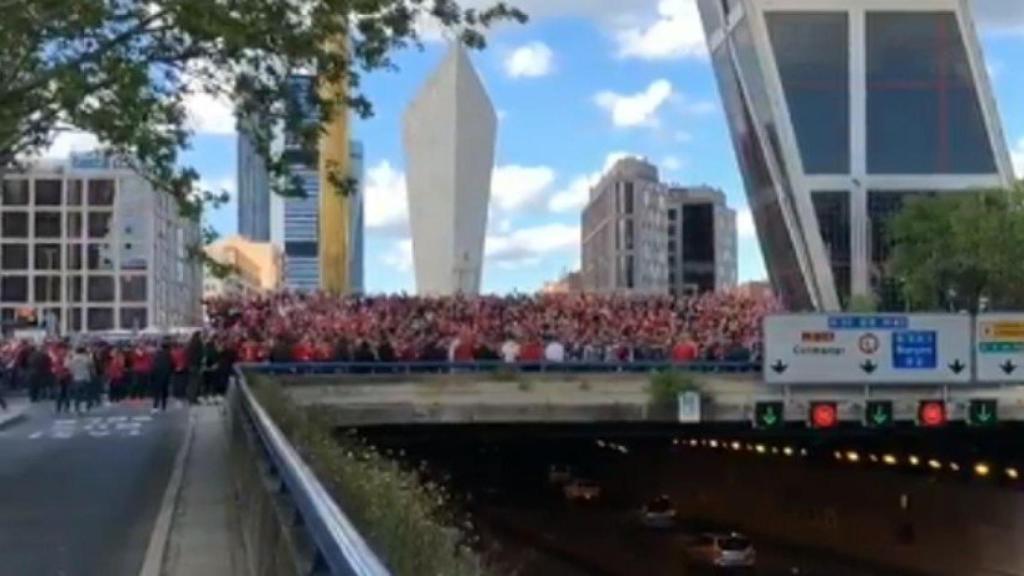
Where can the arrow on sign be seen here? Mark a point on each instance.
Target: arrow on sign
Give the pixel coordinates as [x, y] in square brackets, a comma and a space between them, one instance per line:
[879, 416]
[868, 367]
[957, 366]
[779, 367]
[984, 414]
[1008, 367]
[769, 417]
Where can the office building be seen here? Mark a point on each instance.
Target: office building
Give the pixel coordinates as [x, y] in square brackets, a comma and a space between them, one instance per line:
[701, 241]
[449, 139]
[294, 223]
[89, 246]
[257, 267]
[839, 111]
[640, 235]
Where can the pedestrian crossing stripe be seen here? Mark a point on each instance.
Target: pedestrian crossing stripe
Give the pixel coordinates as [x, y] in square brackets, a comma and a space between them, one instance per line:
[95, 427]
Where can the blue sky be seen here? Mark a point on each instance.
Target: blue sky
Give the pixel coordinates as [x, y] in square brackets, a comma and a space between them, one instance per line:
[576, 87]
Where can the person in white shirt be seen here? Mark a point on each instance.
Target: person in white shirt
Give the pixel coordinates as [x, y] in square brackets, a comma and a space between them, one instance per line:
[82, 370]
[510, 351]
[554, 352]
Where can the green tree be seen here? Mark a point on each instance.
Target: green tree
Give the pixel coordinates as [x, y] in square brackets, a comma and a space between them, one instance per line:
[960, 250]
[122, 70]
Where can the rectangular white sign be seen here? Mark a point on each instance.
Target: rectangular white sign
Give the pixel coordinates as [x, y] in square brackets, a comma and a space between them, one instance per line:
[999, 342]
[689, 407]
[867, 349]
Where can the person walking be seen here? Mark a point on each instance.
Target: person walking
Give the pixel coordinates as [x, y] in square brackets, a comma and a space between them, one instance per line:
[114, 372]
[194, 357]
[160, 377]
[40, 373]
[82, 370]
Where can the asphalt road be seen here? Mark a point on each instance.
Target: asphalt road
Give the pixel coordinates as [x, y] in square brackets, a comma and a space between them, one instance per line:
[79, 495]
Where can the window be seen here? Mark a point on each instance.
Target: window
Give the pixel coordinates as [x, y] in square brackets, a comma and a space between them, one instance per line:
[99, 224]
[14, 257]
[73, 256]
[629, 234]
[74, 288]
[46, 288]
[812, 53]
[833, 212]
[75, 319]
[301, 249]
[48, 192]
[47, 224]
[75, 188]
[14, 225]
[628, 197]
[924, 116]
[15, 192]
[47, 257]
[133, 318]
[101, 193]
[74, 225]
[882, 206]
[14, 288]
[100, 319]
[101, 288]
[133, 288]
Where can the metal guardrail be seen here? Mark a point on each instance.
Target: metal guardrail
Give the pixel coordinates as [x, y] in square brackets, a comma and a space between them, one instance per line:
[340, 549]
[364, 368]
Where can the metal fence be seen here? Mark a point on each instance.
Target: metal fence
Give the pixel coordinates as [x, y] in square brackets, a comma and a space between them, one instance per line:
[290, 522]
[484, 367]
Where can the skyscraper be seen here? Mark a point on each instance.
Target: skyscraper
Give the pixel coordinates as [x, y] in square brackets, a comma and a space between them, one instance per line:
[449, 137]
[294, 223]
[839, 111]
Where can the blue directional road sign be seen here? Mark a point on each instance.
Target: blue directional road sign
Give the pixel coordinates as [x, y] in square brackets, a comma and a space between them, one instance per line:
[914, 350]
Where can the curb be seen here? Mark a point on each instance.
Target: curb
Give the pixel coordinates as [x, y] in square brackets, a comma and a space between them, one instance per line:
[16, 419]
[156, 551]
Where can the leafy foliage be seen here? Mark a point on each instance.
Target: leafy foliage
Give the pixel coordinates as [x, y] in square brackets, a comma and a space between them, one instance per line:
[666, 385]
[124, 69]
[407, 521]
[960, 250]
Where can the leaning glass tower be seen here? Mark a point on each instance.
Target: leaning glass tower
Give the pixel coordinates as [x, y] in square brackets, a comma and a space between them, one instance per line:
[840, 110]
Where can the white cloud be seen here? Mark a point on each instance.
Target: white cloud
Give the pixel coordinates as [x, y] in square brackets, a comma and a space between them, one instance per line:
[671, 163]
[66, 142]
[745, 224]
[387, 208]
[210, 114]
[638, 109]
[531, 60]
[1018, 158]
[526, 246]
[399, 256]
[682, 136]
[514, 187]
[576, 195]
[676, 33]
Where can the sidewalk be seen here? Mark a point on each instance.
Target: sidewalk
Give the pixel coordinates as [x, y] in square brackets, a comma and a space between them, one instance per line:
[204, 538]
[17, 410]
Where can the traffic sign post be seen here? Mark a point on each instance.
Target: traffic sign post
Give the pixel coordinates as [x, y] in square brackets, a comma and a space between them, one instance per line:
[769, 415]
[983, 413]
[878, 414]
[1000, 347]
[689, 407]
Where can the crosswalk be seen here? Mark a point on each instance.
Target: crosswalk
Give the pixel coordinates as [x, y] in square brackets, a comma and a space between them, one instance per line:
[121, 426]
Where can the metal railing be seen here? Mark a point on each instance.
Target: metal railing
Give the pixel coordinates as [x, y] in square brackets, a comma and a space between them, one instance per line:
[339, 548]
[497, 366]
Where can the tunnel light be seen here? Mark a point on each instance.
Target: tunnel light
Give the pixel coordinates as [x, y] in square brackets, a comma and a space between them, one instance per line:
[873, 457]
[1012, 473]
[736, 446]
[954, 466]
[693, 443]
[914, 460]
[853, 456]
[935, 464]
[982, 469]
[713, 443]
[775, 449]
[838, 455]
[760, 449]
[750, 447]
[788, 451]
[600, 443]
[889, 459]
[803, 451]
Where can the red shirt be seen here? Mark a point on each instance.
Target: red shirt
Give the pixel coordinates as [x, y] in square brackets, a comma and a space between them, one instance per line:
[115, 367]
[249, 352]
[142, 361]
[302, 352]
[463, 351]
[531, 352]
[179, 359]
[684, 352]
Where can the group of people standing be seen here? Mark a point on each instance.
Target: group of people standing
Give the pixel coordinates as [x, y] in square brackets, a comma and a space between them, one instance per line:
[76, 377]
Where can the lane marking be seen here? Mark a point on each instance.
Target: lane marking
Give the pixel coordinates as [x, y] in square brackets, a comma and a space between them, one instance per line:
[35, 436]
[158, 540]
[142, 418]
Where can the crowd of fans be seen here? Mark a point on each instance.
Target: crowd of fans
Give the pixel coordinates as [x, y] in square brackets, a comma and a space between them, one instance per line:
[297, 327]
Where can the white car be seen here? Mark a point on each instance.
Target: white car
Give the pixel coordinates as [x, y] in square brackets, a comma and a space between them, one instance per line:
[729, 550]
[559, 474]
[658, 513]
[581, 490]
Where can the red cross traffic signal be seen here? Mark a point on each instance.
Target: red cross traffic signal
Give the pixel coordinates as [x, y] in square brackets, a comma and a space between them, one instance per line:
[931, 413]
[824, 415]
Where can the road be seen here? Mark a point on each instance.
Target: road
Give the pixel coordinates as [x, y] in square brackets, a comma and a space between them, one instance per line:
[79, 495]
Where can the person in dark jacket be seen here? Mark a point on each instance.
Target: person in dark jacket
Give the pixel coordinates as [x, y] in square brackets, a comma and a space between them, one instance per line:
[163, 367]
[281, 352]
[194, 355]
[40, 369]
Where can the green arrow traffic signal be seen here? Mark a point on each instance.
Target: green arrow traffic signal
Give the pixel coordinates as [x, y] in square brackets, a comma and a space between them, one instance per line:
[983, 413]
[769, 415]
[878, 414]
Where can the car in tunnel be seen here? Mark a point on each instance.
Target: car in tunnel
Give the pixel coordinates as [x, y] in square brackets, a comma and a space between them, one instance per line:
[659, 513]
[723, 551]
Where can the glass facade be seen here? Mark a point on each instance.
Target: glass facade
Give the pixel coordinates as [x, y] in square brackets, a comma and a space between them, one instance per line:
[699, 246]
[813, 57]
[924, 116]
[882, 206]
[832, 210]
